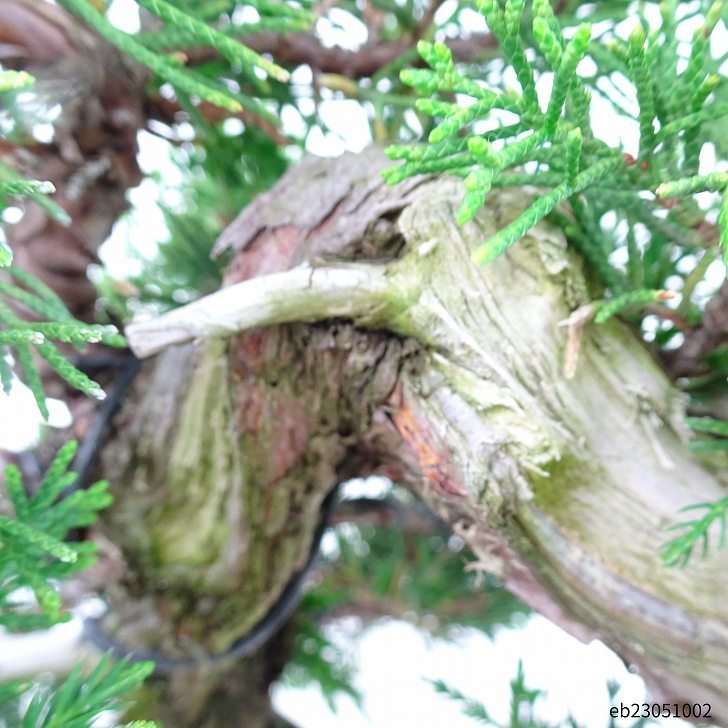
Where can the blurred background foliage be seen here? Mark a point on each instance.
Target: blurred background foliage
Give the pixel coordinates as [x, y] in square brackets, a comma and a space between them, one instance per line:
[406, 567]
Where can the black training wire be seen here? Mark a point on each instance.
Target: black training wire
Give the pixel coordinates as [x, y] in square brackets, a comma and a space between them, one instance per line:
[89, 449]
[245, 645]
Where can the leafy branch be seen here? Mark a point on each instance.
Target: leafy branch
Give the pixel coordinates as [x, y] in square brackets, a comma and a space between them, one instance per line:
[605, 309]
[57, 324]
[678, 550]
[470, 707]
[34, 555]
[32, 551]
[183, 28]
[79, 699]
[523, 704]
[21, 291]
[556, 147]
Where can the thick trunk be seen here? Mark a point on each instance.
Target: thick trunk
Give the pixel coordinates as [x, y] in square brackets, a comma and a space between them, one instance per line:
[222, 459]
[445, 376]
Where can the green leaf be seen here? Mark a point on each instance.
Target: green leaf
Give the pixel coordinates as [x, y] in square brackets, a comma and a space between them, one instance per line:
[606, 308]
[723, 227]
[678, 550]
[12, 185]
[32, 537]
[32, 549]
[715, 182]
[708, 424]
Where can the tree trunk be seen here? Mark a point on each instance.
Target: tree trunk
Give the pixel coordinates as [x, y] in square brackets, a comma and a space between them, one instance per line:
[447, 377]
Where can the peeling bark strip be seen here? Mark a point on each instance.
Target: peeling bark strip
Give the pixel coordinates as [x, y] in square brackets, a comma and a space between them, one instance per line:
[452, 381]
[419, 448]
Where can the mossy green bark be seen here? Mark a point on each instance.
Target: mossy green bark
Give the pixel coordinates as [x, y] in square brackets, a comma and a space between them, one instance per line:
[224, 455]
[580, 475]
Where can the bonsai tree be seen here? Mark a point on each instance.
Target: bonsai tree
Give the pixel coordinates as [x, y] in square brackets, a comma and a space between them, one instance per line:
[514, 316]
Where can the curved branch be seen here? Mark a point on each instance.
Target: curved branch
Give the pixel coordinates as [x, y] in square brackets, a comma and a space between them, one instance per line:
[298, 49]
[301, 294]
[561, 486]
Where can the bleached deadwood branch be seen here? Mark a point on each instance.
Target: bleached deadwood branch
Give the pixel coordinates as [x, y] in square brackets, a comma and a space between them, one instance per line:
[305, 294]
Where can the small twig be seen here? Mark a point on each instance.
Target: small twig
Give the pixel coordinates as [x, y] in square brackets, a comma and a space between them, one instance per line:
[427, 18]
[668, 314]
[688, 359]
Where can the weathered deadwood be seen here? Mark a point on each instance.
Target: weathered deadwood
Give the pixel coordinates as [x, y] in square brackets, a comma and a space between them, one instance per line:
[454, 385]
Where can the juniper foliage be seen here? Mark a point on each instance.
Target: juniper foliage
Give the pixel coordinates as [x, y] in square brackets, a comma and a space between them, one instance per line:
[79, 700]
[494, 135]
[221, 174]
[33, 553]
[700, 532]
[696, 532]
[553, 145]
[35, 556]
[32, 316]
[633, 213]
[183, 29]
[523, 713]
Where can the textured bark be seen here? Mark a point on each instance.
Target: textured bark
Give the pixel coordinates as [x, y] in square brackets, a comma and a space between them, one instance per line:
[454, 386]
[220, 465]
[233, 696]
